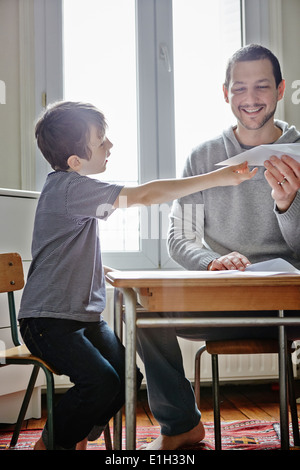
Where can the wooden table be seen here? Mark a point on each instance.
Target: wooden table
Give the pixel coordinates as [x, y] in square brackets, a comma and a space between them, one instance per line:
[183, 291]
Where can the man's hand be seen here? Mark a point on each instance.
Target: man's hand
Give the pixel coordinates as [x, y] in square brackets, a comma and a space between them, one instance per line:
[231, 261]
[283, 175]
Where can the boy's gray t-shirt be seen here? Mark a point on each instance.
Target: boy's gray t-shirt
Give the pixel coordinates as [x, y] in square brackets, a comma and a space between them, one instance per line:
[65, 279]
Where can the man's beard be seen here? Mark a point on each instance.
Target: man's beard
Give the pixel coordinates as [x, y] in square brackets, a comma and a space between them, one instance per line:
[259, 125]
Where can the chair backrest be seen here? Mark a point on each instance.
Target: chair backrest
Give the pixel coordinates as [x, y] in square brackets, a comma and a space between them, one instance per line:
[11, 279]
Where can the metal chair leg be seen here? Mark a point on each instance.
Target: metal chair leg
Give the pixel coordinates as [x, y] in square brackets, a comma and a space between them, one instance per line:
[107, 438]
[24, 406]
[118, 431]
[216, 398]
[50, 407]
[292, 401]
[197, 374]
[26, 400]
[282, 367]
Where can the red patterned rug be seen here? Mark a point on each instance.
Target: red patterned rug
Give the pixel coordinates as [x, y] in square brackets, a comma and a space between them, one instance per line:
[237, 435]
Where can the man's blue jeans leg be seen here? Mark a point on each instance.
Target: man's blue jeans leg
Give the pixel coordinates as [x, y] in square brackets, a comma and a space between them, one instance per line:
[170, 394]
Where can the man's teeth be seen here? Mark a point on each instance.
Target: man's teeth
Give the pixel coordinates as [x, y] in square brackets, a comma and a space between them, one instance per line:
[252, 110]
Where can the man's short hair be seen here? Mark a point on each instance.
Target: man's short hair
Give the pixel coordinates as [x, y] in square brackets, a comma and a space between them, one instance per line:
[253, 52]
[64, 130]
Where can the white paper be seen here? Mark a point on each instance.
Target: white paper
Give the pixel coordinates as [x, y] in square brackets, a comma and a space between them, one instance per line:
[274, 265]
[264, 268]
[258, 155]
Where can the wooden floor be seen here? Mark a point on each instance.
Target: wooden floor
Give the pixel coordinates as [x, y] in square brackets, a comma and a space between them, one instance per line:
[238, 402]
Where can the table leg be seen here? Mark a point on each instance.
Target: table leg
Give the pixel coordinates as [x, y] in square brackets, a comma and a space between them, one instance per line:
[284, 422]
[118, 329]
[130, 358]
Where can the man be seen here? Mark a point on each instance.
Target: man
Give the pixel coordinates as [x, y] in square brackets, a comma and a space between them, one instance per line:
[226, 228]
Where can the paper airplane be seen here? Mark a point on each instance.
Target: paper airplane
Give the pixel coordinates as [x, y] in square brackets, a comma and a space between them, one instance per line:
[258, 155]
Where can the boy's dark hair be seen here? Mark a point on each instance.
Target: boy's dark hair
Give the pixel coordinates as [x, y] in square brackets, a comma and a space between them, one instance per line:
[64, 130]
[253, 52]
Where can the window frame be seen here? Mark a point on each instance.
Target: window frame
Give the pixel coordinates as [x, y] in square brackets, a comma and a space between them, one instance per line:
[155, 101]
[153, 82]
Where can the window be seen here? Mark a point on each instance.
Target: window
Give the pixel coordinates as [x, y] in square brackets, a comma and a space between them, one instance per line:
[156, 69]
[205, 35]
[99, 58]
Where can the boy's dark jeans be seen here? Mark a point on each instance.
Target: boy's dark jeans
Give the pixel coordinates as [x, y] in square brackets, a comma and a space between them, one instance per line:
[94, 359]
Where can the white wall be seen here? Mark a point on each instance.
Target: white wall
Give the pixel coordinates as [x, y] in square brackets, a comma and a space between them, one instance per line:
[10, 174]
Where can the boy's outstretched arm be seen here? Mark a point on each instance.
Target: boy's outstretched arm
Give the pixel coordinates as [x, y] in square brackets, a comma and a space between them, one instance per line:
[159, 191]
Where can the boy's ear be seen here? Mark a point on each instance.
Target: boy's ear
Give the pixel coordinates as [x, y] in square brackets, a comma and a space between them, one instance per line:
[74, 162]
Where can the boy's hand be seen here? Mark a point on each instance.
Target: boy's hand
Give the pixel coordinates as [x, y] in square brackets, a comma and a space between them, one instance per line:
[107, 269]
[234, 175]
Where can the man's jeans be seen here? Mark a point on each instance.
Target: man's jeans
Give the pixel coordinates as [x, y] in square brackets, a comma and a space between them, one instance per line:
[94, 359]
[170, 394]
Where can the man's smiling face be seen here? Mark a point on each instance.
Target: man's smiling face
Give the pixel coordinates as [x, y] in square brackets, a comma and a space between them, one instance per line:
[252, 93]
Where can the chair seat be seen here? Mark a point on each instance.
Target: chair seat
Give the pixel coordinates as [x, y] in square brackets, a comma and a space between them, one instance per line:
[22, 353]
[245, 346]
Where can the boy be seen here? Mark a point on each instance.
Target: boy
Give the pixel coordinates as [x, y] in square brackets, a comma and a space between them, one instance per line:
[60, 313]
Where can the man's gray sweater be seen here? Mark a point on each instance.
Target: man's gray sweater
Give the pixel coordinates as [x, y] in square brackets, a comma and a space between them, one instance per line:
[244, 218]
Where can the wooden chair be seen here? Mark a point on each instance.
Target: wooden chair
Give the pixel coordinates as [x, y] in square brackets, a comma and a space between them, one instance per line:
[11, 280]
[252, 346]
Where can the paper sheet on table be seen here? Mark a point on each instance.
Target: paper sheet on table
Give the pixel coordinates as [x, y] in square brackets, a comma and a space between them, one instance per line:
[257, 155]
[265, 268]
